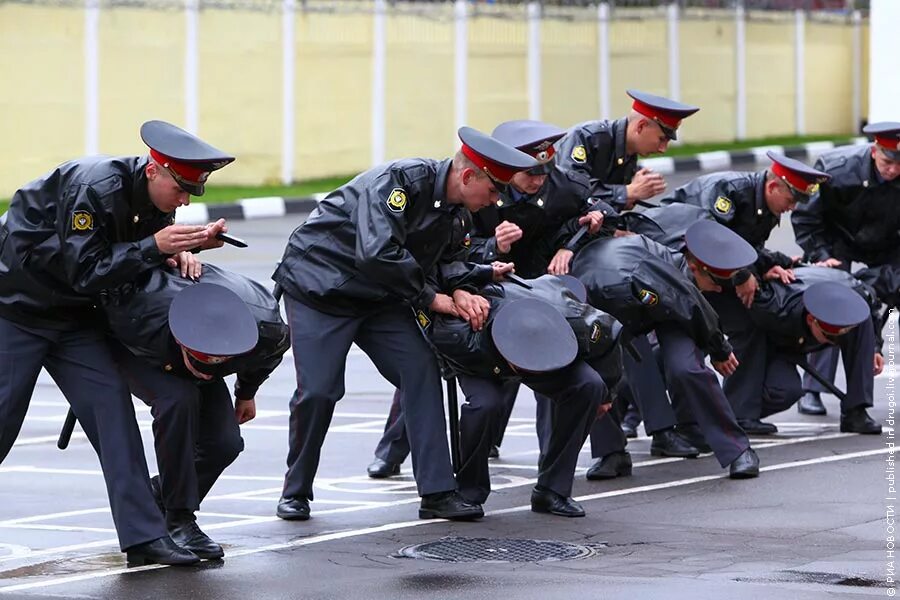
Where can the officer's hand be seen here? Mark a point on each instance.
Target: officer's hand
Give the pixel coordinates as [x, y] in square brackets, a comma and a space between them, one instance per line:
[726, 367]
[747, 291]
[473, 308]
[178, 238]
[645, 184]
[507, 234]
[796, 260]
[623, 233]
[593, 219]
[828, 262]
[602, 409]
[244, 410]
[444, 305]
[785, 275]
[190, 367]
[501, 269]
[879, 364]
[189, 263]
[212, 230]
[560, 263]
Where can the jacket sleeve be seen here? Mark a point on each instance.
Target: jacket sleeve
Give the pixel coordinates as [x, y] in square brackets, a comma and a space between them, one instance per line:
[274, 342]
[809, 223]
[380, 238]
[563, 238]
[484, 250]
[94, 260]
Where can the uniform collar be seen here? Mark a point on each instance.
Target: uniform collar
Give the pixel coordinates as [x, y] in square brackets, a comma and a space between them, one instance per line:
[140, 197]
[620, 128]
[439, 198]
[760, 206]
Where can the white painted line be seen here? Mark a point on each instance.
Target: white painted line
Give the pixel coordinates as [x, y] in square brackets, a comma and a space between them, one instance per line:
[45, 439]
[352, 533]
[664, 165]
[108, 530]
[714, 161]
[259, 208]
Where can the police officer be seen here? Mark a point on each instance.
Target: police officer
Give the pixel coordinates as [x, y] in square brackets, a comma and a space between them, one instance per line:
[94, 224]
[175, 357]
[751, 205]
[351, 273]
[604, 154]
[645, 286]
[854, 217]
[819, 308]
[534, 336]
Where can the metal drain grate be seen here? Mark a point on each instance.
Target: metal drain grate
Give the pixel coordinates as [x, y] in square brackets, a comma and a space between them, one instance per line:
[458, 549]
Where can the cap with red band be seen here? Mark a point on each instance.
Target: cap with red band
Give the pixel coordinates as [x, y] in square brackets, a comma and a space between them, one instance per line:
[836, 307]
[801, 178]
[196, 318]
[534, 138]
[887, 137]
[668, 114]
[186, 157]
[717, 249]
[498, 160]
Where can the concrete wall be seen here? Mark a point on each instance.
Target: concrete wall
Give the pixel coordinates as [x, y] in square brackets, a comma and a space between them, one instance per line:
[141, 75]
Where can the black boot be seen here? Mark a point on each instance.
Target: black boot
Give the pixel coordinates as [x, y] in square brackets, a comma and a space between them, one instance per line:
[857, 420]
[694, 437]
[449, 505]
[615, 464]
[745, 466]
[161, 551]
[669, 443]
[381, 469]
[757, 427]
[548, 501]
[811, 404]
[186, 533]
[495, 452]
[293, 509]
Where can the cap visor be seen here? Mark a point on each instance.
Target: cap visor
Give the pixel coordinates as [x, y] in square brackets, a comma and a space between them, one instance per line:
[192, 189]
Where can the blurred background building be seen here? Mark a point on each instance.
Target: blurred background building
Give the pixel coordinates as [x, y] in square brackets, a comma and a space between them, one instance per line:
[301, 89]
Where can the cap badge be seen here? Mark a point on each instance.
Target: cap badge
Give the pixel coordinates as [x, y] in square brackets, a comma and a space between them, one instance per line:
[579, 154]
[397, 200]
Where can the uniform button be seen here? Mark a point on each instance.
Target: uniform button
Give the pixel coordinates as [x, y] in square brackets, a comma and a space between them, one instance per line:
[620, 161]
[136, 218]
[437, 203]
[800, 341]
[866, 183]
[496, 370]
[499, 202]
[759, 211]
[540, 202]
[168, 367]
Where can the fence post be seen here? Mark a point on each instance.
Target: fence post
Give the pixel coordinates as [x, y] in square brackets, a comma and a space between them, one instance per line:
[287, 91]
[603, 75]
[534, 60]
[91, 77]
[191, 18]
[461, 65]
[740, 70]
[856, 74]
[674, 51]
[800, 69]
[379, 56]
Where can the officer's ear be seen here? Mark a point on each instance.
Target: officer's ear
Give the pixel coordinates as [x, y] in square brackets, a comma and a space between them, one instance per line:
[151, 170]
[467, 175]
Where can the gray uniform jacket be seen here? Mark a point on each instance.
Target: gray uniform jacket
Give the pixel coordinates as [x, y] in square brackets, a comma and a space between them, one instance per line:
[85, 227]
[375, 241]
[855, 216]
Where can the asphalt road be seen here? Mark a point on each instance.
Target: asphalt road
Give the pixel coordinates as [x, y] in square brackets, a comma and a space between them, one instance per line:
[812, 525]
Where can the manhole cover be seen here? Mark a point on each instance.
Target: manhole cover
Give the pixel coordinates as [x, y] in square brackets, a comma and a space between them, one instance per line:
[457, 549]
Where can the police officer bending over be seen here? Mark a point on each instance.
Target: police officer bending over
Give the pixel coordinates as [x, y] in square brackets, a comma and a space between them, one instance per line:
[854, 217]
[90, 225]
[180, 340]
[644, 285]
[350, 274]
[543, 338]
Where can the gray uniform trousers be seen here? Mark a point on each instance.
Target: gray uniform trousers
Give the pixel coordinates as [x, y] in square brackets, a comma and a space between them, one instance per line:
[195, 432]
[82, 366]
[393, 341]
[573, 395]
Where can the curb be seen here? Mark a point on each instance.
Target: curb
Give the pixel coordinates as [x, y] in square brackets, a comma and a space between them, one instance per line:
[277, 206]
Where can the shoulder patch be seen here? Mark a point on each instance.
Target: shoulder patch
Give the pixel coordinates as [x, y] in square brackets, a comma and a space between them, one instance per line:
[579, 154]
[723, 205]
[397, 200]
[82, 220]
[648, 298]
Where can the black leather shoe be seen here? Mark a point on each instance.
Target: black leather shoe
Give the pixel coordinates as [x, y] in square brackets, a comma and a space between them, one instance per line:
[693, 436]
[745, 466]
[494, 453]
[380, 469]
[859, 421]
[293, 509]
[157, 493]
[811, 404]
[629, 431]
[669, 443]
[161, 551]
[548, 501]
[757, 427]
[187, 534]
[449, 505]
[615, 464]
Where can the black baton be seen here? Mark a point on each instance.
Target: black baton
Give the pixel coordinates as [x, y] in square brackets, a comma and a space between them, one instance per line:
[230, 239]
[66, 433]
[453, 418]
[803, 364]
